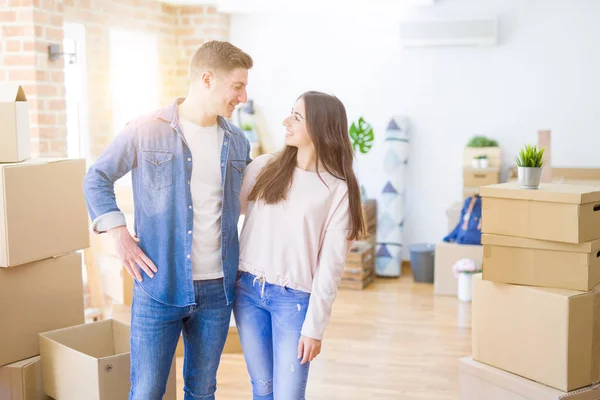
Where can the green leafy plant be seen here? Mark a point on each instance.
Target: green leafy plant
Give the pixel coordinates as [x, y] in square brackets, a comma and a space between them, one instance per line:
[481, 141]
[362, 136]
[246, 127]
[530, 157]
[482, 157]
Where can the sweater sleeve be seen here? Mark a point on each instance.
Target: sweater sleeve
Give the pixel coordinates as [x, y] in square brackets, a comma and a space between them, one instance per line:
[250, 175]
[332, 258]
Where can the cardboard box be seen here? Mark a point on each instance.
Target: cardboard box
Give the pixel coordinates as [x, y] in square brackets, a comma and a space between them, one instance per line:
[580, 176]
[556, 212]
[91, 362]
[480, 177]
[42, 210]
[542, 263]
[38, 297]
[493, 153]
[22, 381]
[546, 335]
[115, 281]
[446, 255]
[14, 123]
[482, 382]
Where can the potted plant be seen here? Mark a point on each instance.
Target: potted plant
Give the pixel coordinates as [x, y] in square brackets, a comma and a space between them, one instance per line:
[480, 161]
[464, 269]
[362, 138]
[530, 162]
[481, 141]
[482, 152]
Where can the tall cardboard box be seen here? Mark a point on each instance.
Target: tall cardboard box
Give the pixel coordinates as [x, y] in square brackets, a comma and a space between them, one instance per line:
[446, 255]
[555, 212]
[22, 381]
[510, 259]
[37, 297]
[14, 123]
[482, 382]
[90, 362]
[42, 210]
[550, 336]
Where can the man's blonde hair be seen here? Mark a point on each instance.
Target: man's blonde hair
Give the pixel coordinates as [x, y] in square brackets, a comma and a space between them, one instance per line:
[219, 57]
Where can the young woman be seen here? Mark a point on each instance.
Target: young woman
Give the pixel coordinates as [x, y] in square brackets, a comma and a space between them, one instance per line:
[303, 211]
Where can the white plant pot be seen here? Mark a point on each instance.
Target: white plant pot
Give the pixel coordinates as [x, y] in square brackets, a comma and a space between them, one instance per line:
[529, 178]
[484, 163]
[475, 163]
[465, 281]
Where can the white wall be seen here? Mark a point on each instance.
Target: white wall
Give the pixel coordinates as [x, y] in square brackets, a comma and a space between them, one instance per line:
[545, 73]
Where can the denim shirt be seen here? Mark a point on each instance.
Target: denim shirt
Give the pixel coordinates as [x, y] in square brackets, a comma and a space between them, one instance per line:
[154, 149]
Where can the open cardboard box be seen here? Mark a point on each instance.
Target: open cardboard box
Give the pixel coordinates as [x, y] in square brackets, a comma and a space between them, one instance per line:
[90, 362]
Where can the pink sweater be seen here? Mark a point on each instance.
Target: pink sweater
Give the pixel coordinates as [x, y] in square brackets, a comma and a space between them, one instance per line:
[301, 243]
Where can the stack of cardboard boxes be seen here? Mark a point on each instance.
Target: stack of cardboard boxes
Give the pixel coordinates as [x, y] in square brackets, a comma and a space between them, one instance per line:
[359, 270]
[473, 176]
[45, 347]
[43, 223]
[536, 308]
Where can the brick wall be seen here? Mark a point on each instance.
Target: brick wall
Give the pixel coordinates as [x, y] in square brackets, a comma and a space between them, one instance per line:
[28, 26]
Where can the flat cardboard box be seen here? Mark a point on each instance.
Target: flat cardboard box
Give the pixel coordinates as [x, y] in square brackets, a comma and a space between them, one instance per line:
[493, 153]
[482, 382]
[115, 281]
[91, 362]
[480, 176]
[14, 123]
[22, 381]
[546, 335]
[510, 259]
[556, 212]
[42, 210]
[446, 255]
[38, 297]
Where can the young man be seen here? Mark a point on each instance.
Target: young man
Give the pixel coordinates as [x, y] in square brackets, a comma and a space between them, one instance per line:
[187, 164]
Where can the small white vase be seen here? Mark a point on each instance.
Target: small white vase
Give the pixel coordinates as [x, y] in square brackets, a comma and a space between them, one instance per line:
[484, 163]
[465, 286]
[475, 163]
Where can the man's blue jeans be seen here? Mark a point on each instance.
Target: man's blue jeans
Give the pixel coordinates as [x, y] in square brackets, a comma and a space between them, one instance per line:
[155, 331]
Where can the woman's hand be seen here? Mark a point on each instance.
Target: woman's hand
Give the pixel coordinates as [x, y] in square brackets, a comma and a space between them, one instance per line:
[308, 349]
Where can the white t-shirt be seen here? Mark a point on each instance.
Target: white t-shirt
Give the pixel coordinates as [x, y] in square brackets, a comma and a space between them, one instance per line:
[205, 144]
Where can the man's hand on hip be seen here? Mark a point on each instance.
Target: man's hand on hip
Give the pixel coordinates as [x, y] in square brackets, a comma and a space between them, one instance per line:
[131, 255]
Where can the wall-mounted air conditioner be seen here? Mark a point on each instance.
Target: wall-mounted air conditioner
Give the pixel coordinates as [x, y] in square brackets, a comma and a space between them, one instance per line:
[449, 32]
[318, 6]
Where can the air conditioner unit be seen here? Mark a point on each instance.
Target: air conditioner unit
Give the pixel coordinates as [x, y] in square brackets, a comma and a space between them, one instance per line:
[318, 6]
[449, 32]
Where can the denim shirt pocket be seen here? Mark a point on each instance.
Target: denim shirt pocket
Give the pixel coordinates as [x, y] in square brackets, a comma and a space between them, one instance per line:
[157, 169]
[237, 172]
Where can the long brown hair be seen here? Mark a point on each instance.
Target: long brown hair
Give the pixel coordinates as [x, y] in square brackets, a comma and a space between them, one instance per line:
[327, 126]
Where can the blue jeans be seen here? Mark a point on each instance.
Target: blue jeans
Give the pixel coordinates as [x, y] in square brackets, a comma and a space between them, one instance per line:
[155, 331]
[269, 319]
